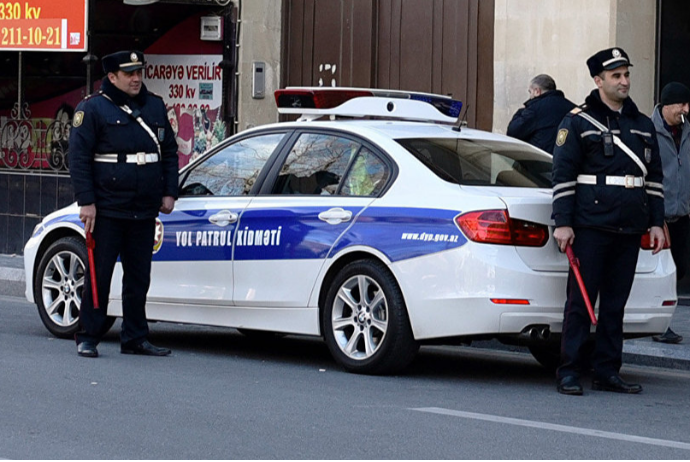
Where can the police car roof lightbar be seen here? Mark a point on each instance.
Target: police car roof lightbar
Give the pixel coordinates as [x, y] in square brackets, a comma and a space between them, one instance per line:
[314, 102]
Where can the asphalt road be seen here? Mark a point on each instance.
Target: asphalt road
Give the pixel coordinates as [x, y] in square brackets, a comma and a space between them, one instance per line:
[223, 395]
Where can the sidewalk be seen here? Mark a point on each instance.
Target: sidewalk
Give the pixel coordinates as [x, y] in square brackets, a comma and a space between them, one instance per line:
[642, 351]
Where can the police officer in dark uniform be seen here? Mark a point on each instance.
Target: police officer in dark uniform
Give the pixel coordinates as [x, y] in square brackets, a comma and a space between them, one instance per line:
[123, 164]
[607, 193]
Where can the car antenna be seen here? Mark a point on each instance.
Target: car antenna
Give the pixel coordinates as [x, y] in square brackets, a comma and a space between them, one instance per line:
[462, 122]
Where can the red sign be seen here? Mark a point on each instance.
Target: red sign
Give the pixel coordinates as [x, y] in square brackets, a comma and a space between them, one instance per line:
[43, 25]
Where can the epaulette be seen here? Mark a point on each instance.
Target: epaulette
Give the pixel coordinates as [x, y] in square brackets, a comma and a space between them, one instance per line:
[576, 110]
[93, 95]
[155, 94]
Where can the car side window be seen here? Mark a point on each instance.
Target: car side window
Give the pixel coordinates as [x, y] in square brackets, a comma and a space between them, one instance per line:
[315, 165]
[233, 170]
[367, 176]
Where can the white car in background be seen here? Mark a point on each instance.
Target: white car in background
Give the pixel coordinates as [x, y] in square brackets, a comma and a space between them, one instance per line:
[376, 221]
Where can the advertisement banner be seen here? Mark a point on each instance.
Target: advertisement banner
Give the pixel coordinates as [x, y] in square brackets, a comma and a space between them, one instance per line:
[191, 86]
[43, 25]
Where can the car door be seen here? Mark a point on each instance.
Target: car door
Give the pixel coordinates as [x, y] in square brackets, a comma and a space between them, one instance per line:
[284, 236]
[193, 260]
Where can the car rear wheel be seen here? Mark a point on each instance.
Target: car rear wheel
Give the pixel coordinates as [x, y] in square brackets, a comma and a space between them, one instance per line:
[365, 320]
[59, 286]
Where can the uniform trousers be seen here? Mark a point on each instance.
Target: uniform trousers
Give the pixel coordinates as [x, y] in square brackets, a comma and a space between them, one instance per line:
[607, 265]
[132, 241]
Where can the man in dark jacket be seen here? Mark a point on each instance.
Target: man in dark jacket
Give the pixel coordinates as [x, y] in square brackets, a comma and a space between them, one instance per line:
[673, 134]
[538, 121]
[123, 164]
[607, 193]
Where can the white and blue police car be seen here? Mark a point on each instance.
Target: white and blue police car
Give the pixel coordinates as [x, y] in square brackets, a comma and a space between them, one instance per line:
[376, 220]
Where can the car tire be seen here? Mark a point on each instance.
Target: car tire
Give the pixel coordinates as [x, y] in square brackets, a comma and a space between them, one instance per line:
[59, 285]
[368, 334]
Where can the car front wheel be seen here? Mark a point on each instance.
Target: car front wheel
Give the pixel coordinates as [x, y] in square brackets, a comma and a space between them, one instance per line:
[59, 286]
[365, 320]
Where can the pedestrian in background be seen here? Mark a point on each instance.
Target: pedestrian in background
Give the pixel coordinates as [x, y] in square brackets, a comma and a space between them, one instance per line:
[607, 193]
[673, 133]
[537, 122]
[123, 164]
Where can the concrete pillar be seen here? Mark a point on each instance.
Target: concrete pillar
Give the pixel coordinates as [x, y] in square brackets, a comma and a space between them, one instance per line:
[556, 37]
[260, 40]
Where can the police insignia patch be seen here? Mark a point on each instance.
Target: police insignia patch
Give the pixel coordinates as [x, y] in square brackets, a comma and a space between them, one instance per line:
[161, 134]
[158, 236]
[562, 135]
[648, 155]
[78, 119]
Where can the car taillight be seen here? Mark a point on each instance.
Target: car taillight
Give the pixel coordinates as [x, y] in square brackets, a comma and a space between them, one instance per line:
[646, 241]
[496, 227]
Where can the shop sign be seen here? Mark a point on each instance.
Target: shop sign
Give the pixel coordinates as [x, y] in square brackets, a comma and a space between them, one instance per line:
[43, 25]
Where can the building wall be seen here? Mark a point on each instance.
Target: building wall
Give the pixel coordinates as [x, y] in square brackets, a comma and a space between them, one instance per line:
[556, 37]
[260, 40]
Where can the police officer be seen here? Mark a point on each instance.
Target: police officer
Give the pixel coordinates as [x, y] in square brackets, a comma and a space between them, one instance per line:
[123, 164]
[607, 192]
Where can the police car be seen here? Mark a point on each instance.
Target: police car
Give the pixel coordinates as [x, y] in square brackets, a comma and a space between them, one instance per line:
[376, 220]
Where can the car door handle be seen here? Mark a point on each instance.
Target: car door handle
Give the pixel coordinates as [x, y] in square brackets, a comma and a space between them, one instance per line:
[335, 216]
[223, 218]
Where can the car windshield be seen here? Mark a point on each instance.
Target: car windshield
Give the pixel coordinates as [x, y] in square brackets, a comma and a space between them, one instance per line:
[482, 162]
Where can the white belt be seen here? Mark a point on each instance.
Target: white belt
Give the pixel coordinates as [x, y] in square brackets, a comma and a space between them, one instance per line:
[628, 181]
[139, 158]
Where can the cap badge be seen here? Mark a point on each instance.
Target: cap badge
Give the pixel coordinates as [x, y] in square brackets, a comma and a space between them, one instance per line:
[616, 53]
[135, 58]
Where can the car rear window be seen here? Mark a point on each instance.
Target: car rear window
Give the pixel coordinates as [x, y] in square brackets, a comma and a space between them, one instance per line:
[482, 162]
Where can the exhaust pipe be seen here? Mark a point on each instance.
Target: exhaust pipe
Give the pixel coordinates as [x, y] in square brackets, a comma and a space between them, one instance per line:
[536, 333]
[544, 333]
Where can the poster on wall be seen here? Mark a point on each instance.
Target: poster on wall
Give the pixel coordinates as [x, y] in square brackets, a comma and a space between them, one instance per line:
[43, 25]
[191, 86]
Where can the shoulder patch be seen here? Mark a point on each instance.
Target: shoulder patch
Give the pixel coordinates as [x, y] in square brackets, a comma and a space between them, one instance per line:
[78, 119]
[562, 135]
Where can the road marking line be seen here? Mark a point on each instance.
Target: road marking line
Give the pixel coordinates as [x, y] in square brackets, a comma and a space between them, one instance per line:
[555, 427]
[12, 274]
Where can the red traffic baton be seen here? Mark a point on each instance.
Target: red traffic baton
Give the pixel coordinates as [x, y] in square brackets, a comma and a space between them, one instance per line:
[575, 265]
[90, 245]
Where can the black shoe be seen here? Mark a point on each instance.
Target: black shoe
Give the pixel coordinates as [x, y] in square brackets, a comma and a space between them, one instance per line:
[668, 337]
[569, 385]
[87, 350]
[144, 348]
[615, 383]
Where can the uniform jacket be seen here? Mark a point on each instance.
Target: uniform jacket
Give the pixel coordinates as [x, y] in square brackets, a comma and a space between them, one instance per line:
[580, 150]
[537, 123]
[122, 190]
[676, 165]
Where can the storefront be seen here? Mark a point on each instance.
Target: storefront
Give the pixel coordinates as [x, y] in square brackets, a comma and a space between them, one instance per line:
[189, 46]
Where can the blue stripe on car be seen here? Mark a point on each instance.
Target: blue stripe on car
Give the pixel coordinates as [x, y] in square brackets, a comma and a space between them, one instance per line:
[297, 233]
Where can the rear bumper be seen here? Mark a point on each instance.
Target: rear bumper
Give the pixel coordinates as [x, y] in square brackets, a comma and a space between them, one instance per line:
[449, 294]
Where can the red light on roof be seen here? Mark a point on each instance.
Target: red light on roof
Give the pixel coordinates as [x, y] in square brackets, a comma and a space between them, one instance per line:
[316, 99]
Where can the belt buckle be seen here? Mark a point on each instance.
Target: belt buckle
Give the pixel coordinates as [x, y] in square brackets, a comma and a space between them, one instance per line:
[141, 158]
[629, 181]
